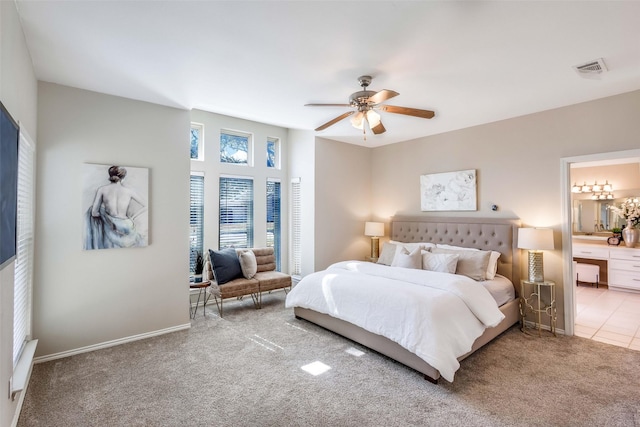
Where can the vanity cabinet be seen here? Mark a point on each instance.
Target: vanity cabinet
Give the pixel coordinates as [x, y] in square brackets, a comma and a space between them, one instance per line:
[590, 251]
[624, 268]
[623, 264]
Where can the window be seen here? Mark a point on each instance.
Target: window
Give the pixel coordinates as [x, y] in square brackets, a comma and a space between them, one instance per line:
[235, 147]
[273, 147]
[273, 218]
[196, 219]
[197, 141]
[296, 227]
[23, 279]
[236, 212]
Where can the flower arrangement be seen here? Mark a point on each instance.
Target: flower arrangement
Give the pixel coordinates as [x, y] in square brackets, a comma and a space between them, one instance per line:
[629, 210]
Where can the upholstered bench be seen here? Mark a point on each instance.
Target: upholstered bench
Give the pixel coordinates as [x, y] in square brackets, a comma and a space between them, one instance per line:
[587, 273]
[243, 272]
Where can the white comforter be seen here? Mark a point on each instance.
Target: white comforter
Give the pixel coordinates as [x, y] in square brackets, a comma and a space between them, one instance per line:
[437, 316]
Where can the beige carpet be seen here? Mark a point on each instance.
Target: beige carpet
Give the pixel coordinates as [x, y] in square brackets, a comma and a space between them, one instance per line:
[245, 370]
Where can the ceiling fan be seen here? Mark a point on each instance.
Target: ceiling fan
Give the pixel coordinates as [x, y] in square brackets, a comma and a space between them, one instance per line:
[365, 102]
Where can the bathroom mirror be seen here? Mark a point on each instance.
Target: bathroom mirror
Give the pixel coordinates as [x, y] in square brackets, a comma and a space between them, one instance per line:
[594, 216]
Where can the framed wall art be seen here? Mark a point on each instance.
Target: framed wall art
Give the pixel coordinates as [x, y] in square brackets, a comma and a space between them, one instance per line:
[449, 191]
[114, 206]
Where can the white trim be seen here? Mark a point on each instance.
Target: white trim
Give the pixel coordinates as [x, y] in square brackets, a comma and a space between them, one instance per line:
[197, 173]
[108, 344]
[569, 290]
[225, 175]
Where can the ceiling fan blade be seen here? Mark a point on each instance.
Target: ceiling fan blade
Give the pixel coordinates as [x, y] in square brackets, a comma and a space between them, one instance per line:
[378, 129]
[382, 96]
[334, 121]
[425, 114]
[327, 105]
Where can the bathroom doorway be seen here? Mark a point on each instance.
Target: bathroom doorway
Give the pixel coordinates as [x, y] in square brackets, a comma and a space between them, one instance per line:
[596, 313]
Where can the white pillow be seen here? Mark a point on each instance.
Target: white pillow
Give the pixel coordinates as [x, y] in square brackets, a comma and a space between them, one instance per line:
[405, 259]
[470, 263]
[411, 246]
[444, 263]
[492, 267]
[248, 263]
[388, 253]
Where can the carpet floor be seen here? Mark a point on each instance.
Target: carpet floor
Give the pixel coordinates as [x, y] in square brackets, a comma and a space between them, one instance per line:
[246, 370]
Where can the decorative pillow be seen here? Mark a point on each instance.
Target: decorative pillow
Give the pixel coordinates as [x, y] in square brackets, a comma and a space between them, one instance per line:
[387, 254]
[492, 268]
[444, 263]
[226, 265]
[248, 263]
[405, 259]
[472, 264]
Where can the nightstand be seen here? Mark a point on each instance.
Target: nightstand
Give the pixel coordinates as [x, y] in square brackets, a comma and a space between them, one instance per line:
[533, 303]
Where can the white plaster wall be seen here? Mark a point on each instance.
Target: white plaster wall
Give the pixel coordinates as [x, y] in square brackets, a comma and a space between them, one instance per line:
[518, 163]
[86, 298]
[213, 169]
[18, 92]
[302, 161]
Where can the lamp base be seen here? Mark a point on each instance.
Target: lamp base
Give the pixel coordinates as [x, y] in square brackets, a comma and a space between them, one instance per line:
[536, 271]
[375, 247]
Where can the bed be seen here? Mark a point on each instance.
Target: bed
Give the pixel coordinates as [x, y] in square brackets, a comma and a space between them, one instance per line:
[336, 313]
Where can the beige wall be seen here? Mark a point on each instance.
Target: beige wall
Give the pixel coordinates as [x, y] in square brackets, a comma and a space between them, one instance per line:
[18, 93]
[518, 163]
[87, 298]
[342, 201]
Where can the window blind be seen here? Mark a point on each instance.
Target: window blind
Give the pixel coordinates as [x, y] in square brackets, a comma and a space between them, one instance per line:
[236, 212]
[23, 279]
[273, 219]
[296, 227]
[196, 220]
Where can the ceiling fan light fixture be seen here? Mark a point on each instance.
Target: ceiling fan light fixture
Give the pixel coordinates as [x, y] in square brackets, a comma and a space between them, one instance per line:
[373, 118]
[357, 120]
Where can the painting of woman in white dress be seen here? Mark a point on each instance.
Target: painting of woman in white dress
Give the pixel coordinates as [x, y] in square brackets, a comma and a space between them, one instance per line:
[115, 206]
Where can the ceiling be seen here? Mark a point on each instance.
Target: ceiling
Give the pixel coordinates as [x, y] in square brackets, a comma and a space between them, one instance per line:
[471, 62]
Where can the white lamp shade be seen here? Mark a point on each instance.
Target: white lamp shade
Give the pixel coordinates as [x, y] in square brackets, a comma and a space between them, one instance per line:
[374, 229]
[373, 118]
[357, 121]
[536, 239]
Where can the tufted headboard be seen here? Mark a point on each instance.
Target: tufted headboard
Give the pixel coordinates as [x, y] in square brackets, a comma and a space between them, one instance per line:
[492, 234]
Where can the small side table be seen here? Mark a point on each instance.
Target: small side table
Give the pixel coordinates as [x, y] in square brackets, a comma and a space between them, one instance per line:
[202, 292]
[533, 303]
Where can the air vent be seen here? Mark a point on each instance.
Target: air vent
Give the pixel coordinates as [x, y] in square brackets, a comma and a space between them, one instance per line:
[592, 67]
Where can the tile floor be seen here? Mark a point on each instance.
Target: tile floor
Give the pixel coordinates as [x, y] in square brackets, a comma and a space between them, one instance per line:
[612, 317]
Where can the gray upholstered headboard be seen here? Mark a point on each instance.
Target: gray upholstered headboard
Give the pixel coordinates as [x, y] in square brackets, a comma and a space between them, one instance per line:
[495, 234]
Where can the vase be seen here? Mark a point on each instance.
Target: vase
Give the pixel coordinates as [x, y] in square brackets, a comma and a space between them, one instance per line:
[630, 235]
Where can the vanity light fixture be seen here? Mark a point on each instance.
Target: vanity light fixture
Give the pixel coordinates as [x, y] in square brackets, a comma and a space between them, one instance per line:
[600, 192]
[576, 188]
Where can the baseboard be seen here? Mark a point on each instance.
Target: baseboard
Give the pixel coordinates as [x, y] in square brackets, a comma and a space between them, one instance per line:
[534, 327]
[108, 344]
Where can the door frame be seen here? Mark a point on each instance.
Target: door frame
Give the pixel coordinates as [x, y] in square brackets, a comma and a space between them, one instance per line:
[569, 290]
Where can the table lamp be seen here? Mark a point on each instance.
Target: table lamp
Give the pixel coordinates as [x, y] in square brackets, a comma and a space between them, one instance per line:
[375, 230]
[535, 240]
